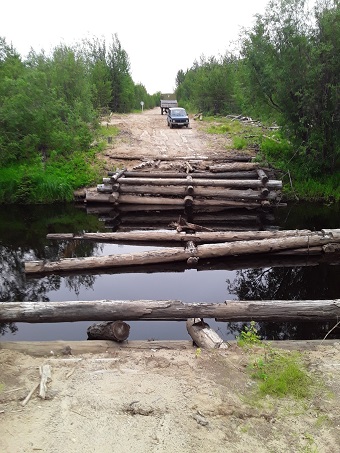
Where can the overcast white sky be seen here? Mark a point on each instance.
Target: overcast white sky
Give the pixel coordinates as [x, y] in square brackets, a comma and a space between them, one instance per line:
[160, 36]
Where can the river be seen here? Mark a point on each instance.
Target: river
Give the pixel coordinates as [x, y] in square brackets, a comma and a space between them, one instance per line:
[23, 231]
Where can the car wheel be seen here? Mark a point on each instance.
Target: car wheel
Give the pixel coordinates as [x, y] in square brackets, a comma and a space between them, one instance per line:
[171, 125]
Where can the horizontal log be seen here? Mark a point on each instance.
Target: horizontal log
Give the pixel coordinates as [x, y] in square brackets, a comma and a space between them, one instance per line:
[237, 166]
[115, 331]
[241, 174]
[170, 201]
[99, 197]
[44, 348]
[167, 255]
[204, 236]
[169, 310]
[214, 192]
[196, 182]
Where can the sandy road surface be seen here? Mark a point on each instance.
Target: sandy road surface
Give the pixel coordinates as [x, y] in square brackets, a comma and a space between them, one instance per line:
[146, 136]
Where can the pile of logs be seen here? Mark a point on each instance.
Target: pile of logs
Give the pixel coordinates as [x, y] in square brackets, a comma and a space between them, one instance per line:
[196, 246]
[233, 184]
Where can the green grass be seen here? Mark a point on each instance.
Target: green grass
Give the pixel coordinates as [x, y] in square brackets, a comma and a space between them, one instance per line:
[278, 373]
[282, 374]
[54, 181]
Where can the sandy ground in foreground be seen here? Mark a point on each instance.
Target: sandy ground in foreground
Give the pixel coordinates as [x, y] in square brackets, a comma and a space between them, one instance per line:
[162, 400]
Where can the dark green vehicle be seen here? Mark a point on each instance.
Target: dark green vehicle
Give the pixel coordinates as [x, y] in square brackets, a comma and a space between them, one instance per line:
[177, 116]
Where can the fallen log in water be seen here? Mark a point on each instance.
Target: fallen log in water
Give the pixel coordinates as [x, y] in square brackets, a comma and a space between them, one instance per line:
[167, 255]
[169, 310]
[203, 237]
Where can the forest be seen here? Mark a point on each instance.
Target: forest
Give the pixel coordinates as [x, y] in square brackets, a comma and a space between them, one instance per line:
[283, 71]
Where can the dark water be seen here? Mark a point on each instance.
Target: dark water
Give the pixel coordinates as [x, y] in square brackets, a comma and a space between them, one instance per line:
[23, 232]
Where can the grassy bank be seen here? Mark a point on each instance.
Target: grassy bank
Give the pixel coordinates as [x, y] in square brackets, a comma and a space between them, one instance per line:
[56, 178]
[300, 176]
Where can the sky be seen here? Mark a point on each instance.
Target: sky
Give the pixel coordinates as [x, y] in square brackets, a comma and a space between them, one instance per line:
[160, 37]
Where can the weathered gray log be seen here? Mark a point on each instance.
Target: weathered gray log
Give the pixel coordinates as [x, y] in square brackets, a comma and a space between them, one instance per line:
[116, 175]
[112, 330]
[145, 200]
[252, 174]
[167, 255]
[196, 182]
[167, 310]
[237, 166]
[203, 336]
[44, 348]
[206, 236]
[247, 194]
[96, 197]
[262, 175]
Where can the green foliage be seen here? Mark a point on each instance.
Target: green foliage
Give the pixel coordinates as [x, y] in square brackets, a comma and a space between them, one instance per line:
[282, 374]
[290, 68]
[239, 143]
[249, 336]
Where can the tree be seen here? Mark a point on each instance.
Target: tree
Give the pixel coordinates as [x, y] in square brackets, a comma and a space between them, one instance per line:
[293, 70]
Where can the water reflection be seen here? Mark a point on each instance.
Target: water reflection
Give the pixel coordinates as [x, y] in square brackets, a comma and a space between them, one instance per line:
[23, 237]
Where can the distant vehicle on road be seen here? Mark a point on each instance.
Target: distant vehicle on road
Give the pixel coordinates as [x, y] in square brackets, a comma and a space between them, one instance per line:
[166, 104]
[177, 116]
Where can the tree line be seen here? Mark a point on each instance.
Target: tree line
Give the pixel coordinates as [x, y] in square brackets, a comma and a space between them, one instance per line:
[51, 103]
[286, 70]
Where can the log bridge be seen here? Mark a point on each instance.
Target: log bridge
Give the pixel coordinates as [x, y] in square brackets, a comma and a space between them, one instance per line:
[224, 244]
[233, 184]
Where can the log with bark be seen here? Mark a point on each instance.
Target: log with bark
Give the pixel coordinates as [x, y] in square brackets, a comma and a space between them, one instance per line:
[167, 236]
[169, 310]
[167, 255]
[112, 330]
[251, 174]
[213, 192]
[196, 182]
[237, 166]
[203, 335]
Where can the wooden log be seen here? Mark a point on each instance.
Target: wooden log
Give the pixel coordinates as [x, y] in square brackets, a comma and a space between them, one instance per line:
[44, 348]
[252, 174]
[237, 166]
[197, 202]
[207, 182]
[247, 194]
[203, 336]
[188, 201]
[115, 331]
[116, 175]
[204, 236]
[167, 255]
[169, 310]
[96, 197]
[189, 190]
[104, 188]
[262, 175]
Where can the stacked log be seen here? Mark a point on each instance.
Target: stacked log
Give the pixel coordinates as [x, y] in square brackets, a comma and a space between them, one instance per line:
[178, 254]
[236, 184]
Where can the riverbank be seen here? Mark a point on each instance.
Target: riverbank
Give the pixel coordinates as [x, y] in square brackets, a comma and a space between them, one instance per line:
[161, 397]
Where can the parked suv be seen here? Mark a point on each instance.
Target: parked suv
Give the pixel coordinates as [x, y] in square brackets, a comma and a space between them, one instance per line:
[177, 116]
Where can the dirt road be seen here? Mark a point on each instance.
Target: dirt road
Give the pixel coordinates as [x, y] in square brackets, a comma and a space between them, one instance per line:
[146, 137]
[153, 400]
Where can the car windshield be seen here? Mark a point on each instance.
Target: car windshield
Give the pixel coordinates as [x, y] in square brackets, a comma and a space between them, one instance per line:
[178, 112]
